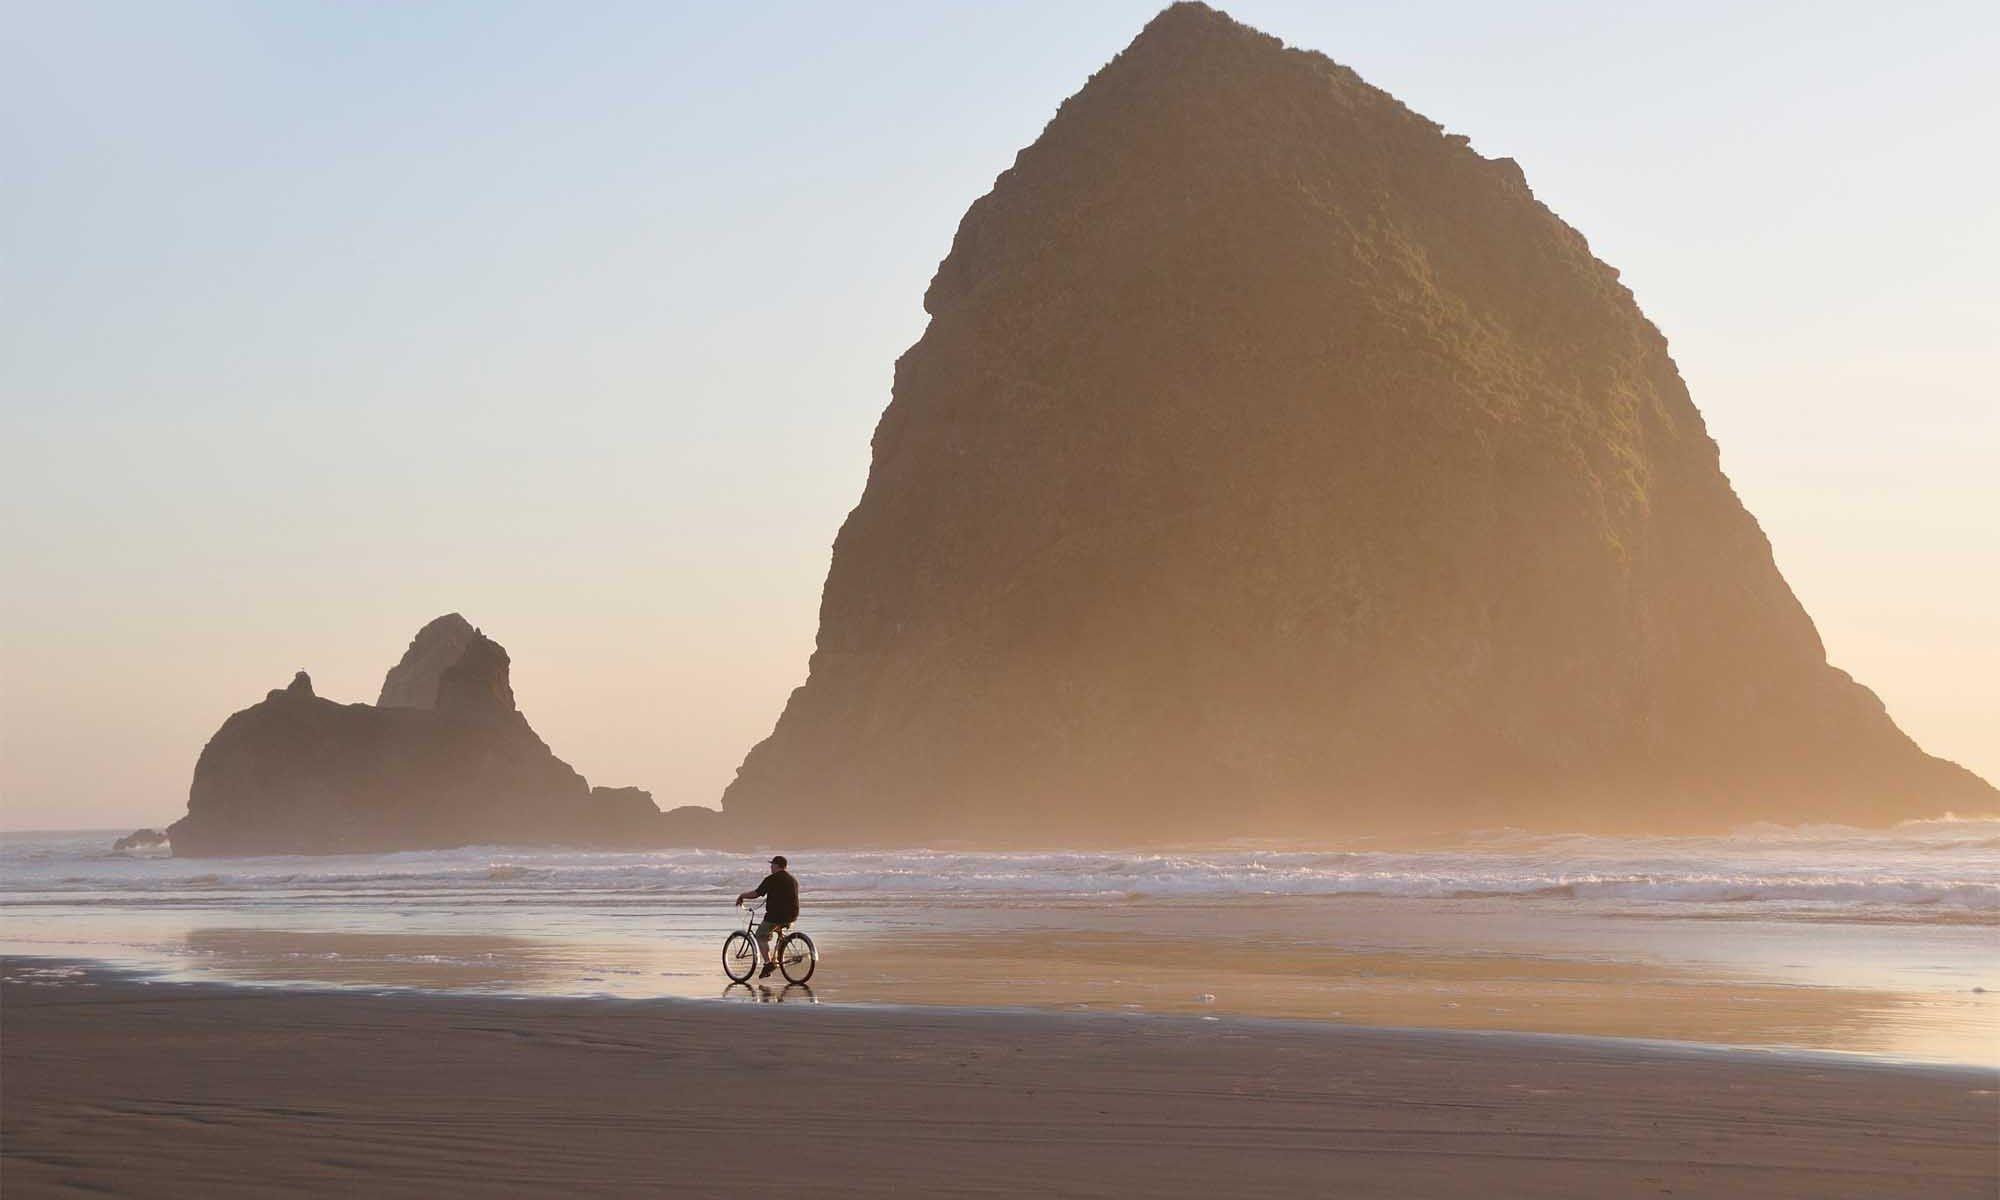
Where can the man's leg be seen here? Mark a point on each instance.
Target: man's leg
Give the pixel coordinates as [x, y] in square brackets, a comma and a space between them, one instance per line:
[764, 931]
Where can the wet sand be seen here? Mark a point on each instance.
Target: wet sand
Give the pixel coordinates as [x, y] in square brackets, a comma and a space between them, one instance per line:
[1388, 965]
[1629, 996]
[112, 1086]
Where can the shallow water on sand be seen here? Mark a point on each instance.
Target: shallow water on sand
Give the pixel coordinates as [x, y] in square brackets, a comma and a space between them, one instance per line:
[1883, 942]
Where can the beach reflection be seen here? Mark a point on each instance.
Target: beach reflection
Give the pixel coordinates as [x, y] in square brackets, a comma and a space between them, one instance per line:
[431, 961]
[796, 993]
[1912, 990]
[1182, 962]
[1294, 977]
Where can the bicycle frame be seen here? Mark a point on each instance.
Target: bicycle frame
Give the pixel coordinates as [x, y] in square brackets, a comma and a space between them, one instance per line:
[750, 927]
[762, 955]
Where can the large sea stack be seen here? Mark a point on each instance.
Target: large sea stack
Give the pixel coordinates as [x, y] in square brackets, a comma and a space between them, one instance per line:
[1275, 464]
[445, 760]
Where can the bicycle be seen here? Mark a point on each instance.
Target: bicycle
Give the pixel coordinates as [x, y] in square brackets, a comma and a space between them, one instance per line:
[796, 954]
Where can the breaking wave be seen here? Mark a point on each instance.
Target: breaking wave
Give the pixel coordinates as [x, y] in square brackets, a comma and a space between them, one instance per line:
[1941, 865]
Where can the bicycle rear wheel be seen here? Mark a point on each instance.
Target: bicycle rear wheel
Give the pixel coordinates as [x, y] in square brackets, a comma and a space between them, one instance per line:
[797, 956]
[739, 956]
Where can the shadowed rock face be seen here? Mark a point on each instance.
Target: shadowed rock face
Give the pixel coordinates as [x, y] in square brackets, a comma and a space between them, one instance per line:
[413, 682]
[1275, 464]
[298, 774]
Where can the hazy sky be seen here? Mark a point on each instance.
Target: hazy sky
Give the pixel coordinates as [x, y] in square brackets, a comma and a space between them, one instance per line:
[319, 320]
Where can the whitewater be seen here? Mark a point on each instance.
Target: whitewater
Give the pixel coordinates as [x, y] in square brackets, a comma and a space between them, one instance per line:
[1912, 871]
[1875, 941]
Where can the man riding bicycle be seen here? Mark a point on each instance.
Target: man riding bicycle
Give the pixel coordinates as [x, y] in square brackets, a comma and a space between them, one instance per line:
[781, 907]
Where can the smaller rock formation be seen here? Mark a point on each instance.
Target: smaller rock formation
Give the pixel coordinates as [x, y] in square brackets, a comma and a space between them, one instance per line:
[445, 760]
[140, 839]
[476, 685]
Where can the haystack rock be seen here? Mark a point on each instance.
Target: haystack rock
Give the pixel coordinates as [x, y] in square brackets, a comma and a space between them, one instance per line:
[1275, 464]
[446, 760]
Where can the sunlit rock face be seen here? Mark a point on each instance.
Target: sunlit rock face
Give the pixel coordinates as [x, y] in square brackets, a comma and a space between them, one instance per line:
[1275, 464]
[299, 774]
[413, 682]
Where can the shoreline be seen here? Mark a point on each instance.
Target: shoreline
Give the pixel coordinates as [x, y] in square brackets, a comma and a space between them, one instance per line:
[217, 1089]
[1369, 963]
[1815, 940]
[100, 973]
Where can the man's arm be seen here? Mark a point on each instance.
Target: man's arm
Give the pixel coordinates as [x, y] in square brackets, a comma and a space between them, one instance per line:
[754, 892]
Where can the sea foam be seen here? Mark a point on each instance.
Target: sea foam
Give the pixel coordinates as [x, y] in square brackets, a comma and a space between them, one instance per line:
[1951, 865]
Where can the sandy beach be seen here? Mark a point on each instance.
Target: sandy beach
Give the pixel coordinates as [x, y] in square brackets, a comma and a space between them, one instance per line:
[114, 1086]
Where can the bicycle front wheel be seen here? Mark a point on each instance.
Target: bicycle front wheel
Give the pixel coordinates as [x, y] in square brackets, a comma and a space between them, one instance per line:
[739, 956]
[797, 956]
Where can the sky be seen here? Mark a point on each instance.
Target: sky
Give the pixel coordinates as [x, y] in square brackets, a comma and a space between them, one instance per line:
[319, 320]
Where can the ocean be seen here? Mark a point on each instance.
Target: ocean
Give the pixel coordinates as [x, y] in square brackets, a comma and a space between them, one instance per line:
[1821, 937]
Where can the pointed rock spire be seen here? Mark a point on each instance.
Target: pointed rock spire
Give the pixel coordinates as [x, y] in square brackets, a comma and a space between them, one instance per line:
[413, 681]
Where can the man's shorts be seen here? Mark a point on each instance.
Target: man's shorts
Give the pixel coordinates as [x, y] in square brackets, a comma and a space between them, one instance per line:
[767, 927]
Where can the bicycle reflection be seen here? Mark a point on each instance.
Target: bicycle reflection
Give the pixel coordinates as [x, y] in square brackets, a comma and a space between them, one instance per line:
[797, 993]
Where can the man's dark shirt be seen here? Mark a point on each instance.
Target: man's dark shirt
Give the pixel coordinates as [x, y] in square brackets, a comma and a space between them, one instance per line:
[781, 897]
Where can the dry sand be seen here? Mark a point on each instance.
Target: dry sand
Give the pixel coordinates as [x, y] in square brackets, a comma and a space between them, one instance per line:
[110, 1086]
